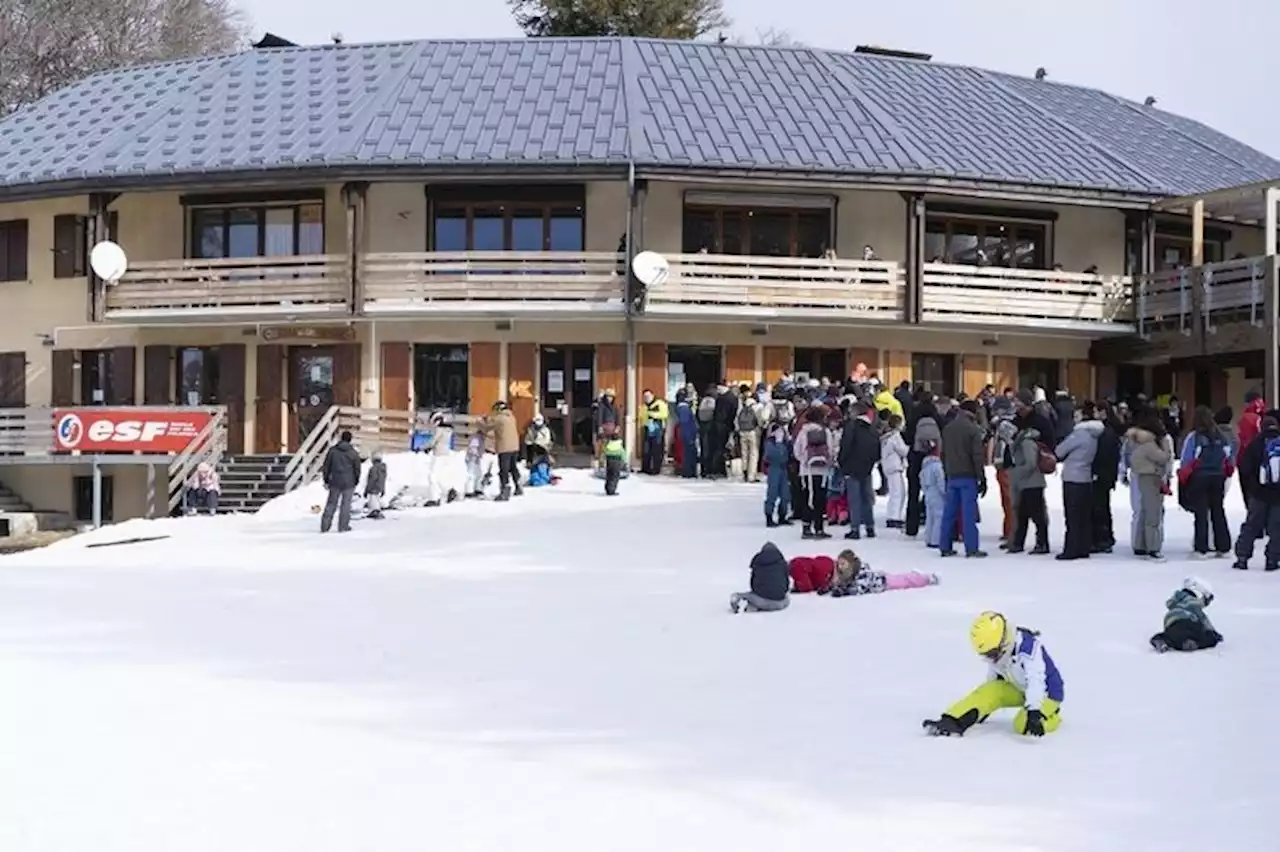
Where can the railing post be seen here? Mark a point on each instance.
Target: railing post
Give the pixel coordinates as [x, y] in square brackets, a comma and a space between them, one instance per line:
[1142, 308]
[1184, 302]
[1256, 273]
[1206, 303]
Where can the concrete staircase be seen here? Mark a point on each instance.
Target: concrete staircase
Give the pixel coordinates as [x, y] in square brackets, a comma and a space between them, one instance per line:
[249, 481]
[18, 518]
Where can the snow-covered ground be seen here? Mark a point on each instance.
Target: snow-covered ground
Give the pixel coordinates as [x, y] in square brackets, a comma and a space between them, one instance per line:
[561, 673]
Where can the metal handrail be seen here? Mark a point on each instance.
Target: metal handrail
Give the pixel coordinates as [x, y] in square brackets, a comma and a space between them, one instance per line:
[206, 447]
[304, 465]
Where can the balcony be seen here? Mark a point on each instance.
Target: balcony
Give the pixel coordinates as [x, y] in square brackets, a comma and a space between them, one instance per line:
[710, 286]
[493, 283]
[250, 288]
[1051, 300]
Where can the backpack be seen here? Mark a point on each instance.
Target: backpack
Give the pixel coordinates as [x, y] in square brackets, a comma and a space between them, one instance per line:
[747, 419]
[819, 451]
[1211, 455]
[706, 409]
[1046, 461]
[1269, 473]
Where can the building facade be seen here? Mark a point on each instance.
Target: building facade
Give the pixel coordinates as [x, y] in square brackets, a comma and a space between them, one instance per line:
[447, 224]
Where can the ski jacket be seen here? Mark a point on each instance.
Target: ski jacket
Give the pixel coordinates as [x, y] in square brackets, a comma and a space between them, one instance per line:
[1250, 422]
[376, 480]
[1077, 451]
[1185, 606]
[893, 452]
[933, 479]
[770, 574]
[1028, 666]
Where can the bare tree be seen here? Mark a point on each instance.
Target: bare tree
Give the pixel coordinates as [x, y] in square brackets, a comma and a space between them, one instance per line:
[676, 19]
[48, 44]
[773, 37]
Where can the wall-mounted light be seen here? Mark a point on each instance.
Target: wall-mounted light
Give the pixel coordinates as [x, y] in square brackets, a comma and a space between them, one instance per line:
[760, 331]
[47, 339]
[502, 325]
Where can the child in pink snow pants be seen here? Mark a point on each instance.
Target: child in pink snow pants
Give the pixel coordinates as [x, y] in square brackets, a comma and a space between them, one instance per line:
[855, 577]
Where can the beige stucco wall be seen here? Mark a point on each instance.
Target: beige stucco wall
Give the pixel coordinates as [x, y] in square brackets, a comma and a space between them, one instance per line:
[1089, 236]
[48, 487]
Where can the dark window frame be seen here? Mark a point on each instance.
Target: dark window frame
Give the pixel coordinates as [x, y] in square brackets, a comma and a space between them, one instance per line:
[548, 210]
[70, 245]
[950, 383]
[211, 396]
[15, 243]
[746, 214]
[946, 224]
[260, 208]
[418, 355]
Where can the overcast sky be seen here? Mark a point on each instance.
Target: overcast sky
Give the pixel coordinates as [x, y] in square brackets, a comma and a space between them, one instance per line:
[1209, 61]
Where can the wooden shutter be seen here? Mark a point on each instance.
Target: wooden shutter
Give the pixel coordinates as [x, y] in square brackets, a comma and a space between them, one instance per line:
[69, 243]
[157, 376]
[1004, 372]
[652, 369]
[231, 363]
[269, 399]
[393, 389]
[13, 380]
[778, 360]
[611, 372]
[974, 373]
[898, 368]
[1080, 379]
[123, 376]
[346, 374]
[740, 365]
[1105, 379]
[522, 365]
[862, 355]
[62, 371]
[483, 377]
[13, 250]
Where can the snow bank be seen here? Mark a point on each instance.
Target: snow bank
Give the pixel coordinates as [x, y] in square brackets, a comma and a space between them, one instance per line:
[408, 477]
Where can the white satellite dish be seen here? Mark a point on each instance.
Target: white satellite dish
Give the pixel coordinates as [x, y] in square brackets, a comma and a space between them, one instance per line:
[109, 261]
[651, 269]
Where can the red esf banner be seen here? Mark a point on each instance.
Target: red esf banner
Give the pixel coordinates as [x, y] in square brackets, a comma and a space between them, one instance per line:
[126, 430]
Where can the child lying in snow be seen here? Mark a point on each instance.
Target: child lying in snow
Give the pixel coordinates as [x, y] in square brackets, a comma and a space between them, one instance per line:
[812, 574]
[769, 583]
[855, 577]
[1186, 627]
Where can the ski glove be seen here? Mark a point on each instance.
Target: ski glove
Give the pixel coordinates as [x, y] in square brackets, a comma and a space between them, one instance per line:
[1035, 723]
[982, 487]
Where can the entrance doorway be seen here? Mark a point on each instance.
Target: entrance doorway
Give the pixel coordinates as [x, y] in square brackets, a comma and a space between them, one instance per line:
[311, 389]
[1041, 373]
[568, 375]
[830, 364]
[703, 366]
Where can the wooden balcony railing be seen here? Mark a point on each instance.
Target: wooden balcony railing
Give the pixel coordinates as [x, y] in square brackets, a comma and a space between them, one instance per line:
[479, 282]
[765, 287]
[307, 285]
[1190, 298]
[1033, 298]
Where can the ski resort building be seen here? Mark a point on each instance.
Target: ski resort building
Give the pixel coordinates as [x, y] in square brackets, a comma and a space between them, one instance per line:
[351, 233]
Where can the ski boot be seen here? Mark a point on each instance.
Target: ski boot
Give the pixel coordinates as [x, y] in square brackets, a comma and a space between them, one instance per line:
[1159, 644]
[784, 520]
[738, 604]
[769, 521]
[519, 490]
[945, 726]
[807, 532]
[504, 495]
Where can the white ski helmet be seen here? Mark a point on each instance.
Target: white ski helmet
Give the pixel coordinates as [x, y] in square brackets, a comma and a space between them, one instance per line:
[1198, 587]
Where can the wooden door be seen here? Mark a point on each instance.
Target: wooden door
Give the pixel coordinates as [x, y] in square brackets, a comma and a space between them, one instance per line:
[313, 389]
[1106, 378]
[1184, 387]
[652, 369]
[63, 378]
[861, 355]
[740, 365]
[897, 368]
[611, 374]
[157, 375]
[231, 366]
[269, 401]
[522, 365]
[973, 373]
[346, 374]
[484, 377]
[123, 376]
[1004, 372]
[397, 369]
[1080, 380]
[777, 360]
[13, 380]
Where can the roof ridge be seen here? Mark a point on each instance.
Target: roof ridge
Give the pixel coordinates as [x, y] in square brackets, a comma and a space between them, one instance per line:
[629, 100]
[827, 60]
[1070, 127]
[1133, 107]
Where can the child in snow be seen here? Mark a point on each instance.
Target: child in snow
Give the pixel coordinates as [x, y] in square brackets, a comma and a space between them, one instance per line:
[777, 457]
[476, 479]
[1186, 627]
[441, 449]
[770, 582]
[811, 574]
[815, 454]
[615, 453]
[893, 466]
[375, 486]
[933, 485]
[1021, 674]
[537, 452]
[855, 577]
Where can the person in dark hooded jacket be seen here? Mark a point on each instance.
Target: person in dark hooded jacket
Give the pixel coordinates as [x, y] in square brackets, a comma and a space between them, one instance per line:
[859, 455]
[922, 409]
[1260, 481]
[341, 475]
[1064, 413]
[770, 583]
[1106, 470]
[722, 424]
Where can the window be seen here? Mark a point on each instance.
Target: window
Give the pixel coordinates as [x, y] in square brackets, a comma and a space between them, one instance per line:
[701, 366]
[198, 375]
[1039, 372]
[763, 232]
[96, 376]
[69, 245]
[13, 250]
[516, 226]
[822, 363]
[82, 498]
[440, 377]
[986, 242]
[937, 373]
[1173, 252]
[257, 231]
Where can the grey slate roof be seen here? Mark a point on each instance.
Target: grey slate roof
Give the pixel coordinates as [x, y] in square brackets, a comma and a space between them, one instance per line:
[608, 102]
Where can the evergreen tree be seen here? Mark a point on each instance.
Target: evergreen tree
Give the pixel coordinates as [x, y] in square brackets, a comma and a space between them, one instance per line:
[676, 19]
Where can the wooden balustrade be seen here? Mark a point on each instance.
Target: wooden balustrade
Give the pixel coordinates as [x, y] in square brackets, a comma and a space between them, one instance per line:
[985, 295]
[303, 284]
[417, 283]
[744, 285]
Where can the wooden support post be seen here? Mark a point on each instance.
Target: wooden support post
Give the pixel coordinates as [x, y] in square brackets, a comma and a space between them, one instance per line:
[1271, 299]
[1272, 223]
[1197, 233]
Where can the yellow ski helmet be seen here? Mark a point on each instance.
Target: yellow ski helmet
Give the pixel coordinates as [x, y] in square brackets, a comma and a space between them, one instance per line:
[990, 634]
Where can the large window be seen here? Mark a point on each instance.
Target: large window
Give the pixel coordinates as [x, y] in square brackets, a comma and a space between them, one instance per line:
[986, 242]
[233, 231]
[937, 373]
[517, 226]
[97, 376]
[198, 375]
[760, 231]
[440, 374]
[13, 250]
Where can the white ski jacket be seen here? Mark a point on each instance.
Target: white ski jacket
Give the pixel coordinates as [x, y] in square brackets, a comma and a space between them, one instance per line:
[1028, 666]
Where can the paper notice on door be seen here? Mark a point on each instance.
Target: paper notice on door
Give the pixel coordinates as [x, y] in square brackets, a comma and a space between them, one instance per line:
[582, 374]
[555, 381]
[193, 397]
[316, 373]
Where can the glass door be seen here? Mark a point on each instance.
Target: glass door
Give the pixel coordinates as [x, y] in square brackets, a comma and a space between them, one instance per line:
[583, 362]
[313, 389]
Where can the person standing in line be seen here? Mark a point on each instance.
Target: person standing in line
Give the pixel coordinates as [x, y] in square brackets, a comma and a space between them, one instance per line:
[1260, 481]
[1205, 463]
[964, 461]
[1106, 470]
[893, 463]
[1077, 452]
[724, 415]
[923, 436]
[506, 439]
[859, 455]
[814, 456]
[1149, 464]
[341, 474]
[654, 430]
[749, 422]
